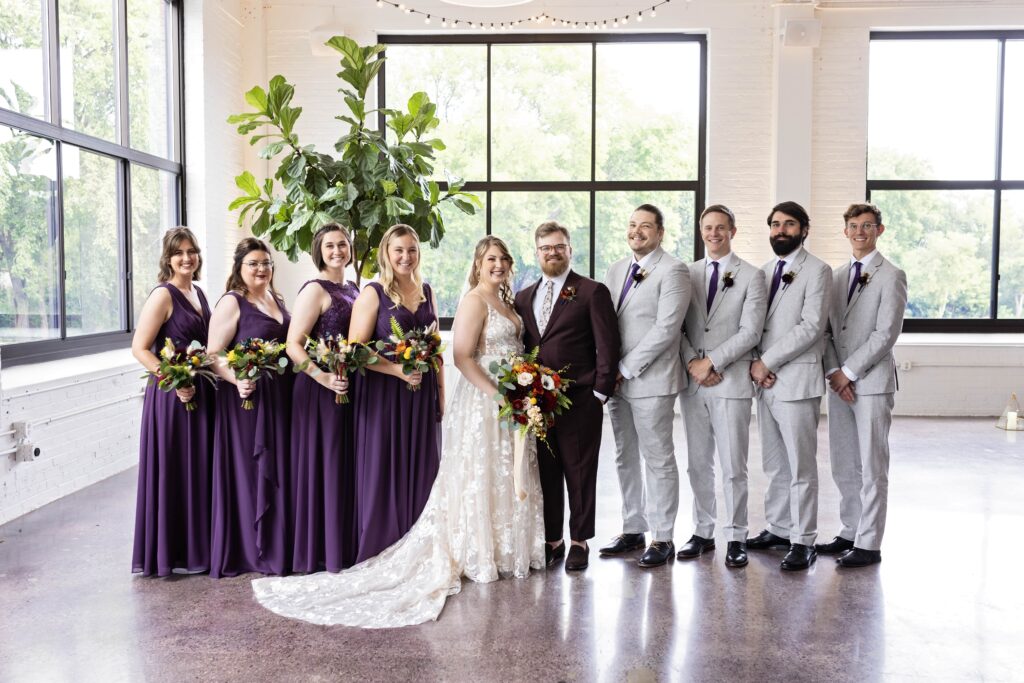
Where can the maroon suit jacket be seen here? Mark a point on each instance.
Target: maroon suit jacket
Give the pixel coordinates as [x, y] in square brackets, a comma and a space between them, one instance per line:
[582, 333]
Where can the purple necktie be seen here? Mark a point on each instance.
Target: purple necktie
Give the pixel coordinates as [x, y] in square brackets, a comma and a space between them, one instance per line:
[713, 287]
[776, 279]
[856, 279]
[628, 283]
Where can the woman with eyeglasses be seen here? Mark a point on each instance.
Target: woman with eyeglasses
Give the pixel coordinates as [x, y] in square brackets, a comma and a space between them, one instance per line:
[172, 515]
[250, 452]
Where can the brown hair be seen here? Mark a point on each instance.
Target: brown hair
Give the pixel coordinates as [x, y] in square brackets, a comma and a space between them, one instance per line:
[235, 282]
[548, 227]
[857, 209]
[505, 289]
[172, 242]
[719, 208]
[387, 273]
[659, 217]
[316, 251]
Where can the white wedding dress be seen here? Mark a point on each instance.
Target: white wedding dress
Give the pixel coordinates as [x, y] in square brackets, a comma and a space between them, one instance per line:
[473, 524]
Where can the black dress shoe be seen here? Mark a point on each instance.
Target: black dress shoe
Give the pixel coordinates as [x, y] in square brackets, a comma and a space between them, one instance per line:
[837, 546]
[623, 543]
[736, 554]
[657, 554]
[695, 546]
[577, 558]
[553, 555]
[766, 540]
[858, 557]
[799, 557]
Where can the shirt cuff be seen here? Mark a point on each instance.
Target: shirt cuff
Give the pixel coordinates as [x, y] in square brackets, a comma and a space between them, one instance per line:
[850, 373]
[831, 372]
[624, 371]
[714, 365]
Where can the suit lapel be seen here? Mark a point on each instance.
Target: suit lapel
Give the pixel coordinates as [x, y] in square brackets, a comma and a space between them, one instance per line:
[871, 271]
[793, 268]
[651, 265]
[560, 301]
[723, 291]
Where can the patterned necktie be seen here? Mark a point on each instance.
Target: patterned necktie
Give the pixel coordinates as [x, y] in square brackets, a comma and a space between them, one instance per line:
[713, 287]
[854, 281]
[776, 279]
[629, 281]
[545, 307]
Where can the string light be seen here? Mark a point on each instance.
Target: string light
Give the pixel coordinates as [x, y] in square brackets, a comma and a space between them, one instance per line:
[543, 17]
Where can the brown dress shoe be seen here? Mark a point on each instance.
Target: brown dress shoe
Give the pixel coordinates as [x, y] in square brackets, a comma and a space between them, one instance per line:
[577, 558]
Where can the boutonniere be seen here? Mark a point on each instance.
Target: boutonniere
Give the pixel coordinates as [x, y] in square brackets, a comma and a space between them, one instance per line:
[787, 278]
[639, 276]
[727, 281]
[863, 280]
[568, 294]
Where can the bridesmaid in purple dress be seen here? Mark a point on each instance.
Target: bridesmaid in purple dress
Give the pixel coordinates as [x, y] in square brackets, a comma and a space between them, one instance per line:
[250, 447]
[172, 511]
[323, 469]
[397, 430]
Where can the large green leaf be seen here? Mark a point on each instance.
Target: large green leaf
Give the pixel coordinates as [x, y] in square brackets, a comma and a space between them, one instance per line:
[247, 183]
[257, 98]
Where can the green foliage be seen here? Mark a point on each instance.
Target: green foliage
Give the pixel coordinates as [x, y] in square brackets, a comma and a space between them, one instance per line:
[374, 183]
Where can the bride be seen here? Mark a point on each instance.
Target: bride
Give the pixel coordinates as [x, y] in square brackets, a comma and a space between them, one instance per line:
[474, 524]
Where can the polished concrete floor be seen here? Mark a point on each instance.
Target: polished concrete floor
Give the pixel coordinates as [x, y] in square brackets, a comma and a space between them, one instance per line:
[945, 604]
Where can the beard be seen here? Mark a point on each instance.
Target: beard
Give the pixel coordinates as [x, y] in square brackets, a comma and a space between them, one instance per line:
[554, 268]
[785, 244]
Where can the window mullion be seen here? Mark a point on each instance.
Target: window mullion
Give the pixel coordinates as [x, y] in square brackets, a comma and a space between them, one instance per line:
[593, 156]
[997, 200]
[58, 217]
[124, 234]
[51, 45]
[121, 70]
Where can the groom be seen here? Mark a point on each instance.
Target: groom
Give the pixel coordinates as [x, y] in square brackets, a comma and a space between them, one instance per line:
[572, 320]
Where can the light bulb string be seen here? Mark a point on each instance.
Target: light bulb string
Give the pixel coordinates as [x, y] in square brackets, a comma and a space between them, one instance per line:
[647, 11]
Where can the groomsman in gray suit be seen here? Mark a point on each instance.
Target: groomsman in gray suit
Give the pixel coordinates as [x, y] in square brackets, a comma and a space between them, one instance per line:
[869, 295]
[652, 290]
[789, 373]
[722, 328]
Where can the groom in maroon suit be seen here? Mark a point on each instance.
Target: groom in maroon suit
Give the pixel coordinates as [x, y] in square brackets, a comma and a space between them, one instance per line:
[572, 320]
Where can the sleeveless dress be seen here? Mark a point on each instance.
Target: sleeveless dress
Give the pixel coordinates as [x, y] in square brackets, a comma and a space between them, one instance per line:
[250, 463]
[172, 510]
[323, 465]
[397, 439]
[473, 524]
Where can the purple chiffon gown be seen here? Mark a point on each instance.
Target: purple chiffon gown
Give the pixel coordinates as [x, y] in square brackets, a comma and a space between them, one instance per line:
[398, 440]
[323, 468]
[250, 463]
[172, 510]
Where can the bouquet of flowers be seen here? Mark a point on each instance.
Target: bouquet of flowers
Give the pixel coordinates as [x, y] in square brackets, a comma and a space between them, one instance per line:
[179, 368]
[254, 358]
[531, 394]
[339, 356]
[418, 349]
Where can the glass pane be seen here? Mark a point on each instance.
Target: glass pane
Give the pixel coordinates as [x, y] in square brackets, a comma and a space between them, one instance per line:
[516, 215]
[1013, 111]
[455, 78]
[91, 251]
[647, 118]
[29, 305]
[1011, 255]
[931, 113]
[149, 76]
[943, 240]
[87, 67]
[540, 112]
[446, 267]
[22, 58]
[154, 208]
[614, 210]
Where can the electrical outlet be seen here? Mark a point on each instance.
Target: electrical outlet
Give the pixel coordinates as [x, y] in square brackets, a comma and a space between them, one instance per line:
[906, 366]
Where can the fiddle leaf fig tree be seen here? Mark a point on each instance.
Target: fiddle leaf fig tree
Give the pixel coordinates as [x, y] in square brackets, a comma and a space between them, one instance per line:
[373, 183]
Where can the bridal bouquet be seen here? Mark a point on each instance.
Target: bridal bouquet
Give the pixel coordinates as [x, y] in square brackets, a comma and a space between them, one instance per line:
[531, 394]
[179, 368]
[337, 355]
[254, 358]
[418, 349]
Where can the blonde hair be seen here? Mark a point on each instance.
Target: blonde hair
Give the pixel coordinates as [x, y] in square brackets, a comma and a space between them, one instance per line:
[387, 273]
[473, 279]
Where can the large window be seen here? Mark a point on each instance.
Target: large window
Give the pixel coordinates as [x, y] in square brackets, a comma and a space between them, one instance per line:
[946, 167]
[578, 129]
[90, 171]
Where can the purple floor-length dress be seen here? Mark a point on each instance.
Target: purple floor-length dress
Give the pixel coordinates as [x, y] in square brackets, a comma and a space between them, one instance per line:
[323, 468]
[250, 463]
[398, 440]
[172, 510]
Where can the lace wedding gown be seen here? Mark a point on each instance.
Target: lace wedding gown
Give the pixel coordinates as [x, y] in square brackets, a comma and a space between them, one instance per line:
[473, 524]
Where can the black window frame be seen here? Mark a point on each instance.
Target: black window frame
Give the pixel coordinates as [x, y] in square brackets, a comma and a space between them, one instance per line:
[992, 324]
[51, 129]
[698, 185]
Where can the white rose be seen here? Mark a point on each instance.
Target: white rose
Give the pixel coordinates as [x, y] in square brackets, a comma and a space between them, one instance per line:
[525, 379]
[547, 382]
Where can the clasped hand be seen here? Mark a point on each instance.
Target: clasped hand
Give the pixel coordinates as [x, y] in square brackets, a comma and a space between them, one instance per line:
[842, 385]
[702, 370]
[762, 376]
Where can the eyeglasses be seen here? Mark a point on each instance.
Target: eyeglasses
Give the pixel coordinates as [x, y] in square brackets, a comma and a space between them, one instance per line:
[548, 248]
[256, 265]
[867, 227]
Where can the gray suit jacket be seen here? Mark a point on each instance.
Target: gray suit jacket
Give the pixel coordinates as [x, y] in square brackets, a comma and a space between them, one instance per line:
[862, 334]
[730, 331]
[793, 341]
[650, 324]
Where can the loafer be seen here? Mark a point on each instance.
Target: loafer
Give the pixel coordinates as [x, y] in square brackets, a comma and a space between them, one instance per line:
[858, 557]
[695, 546]
[837, 546]
[657, 554]
[553, 555]
[736, 554]
[577, 559]
[623, 543]
[799, 557]
[766, 540]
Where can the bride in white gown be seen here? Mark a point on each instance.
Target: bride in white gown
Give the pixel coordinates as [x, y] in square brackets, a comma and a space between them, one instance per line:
[474, 525]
